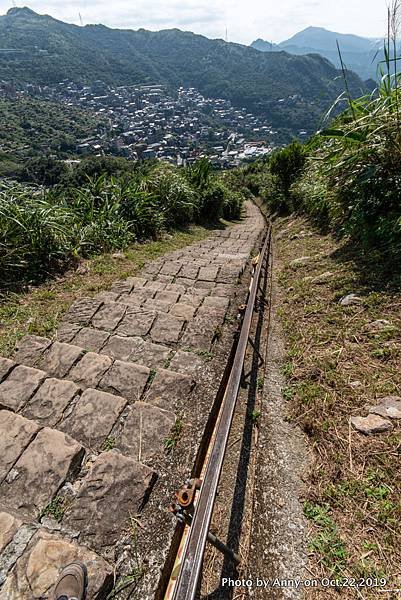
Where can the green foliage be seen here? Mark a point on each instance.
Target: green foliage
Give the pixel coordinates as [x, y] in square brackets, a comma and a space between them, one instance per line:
[177, 200]
[353, 180]
[43, 170]
[212, 201]
[56, 509]
[348, 177]
[174, 436]
[287, 165]
[326, 544]
[34, 233]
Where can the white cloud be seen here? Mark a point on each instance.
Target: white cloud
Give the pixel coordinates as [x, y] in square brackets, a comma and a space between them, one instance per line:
[245, 19]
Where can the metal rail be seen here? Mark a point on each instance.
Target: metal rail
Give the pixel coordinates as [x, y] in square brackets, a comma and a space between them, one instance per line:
[187, 583]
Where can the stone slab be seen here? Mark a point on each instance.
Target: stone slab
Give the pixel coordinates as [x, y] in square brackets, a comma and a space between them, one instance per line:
[91, 339]
[228, 274]
[43, 467]
[389, 407]
[121, 348]
[53, 397]
[170, 390]
[193, 299]
[90, 369]
[38, 569]
[115, 488]
[150, 355]
[156, 286]
[9, 525]
[175, 287]
[145, 431]
[67, 331]
[19, 386]
[59, 359]
[93, 417]
[157, 306]
[30, 349]
[137, 322]
[165, 279]
[171, 268]
[166, 329]
[167, 297]
[199, 334]
[185, 282]
[188, 363]
[16, 434]
[204, 285]
[208, 273]
[138, 297]
[82, 311]
[216, 302]
[5, 367]
[125, 379]
[109, 316]
[189, 271]
[183, 311]
[224, 290]
[371, 424]
[106, 297]
[214, 314]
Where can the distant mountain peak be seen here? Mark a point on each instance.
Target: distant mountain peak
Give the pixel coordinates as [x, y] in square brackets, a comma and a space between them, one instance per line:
[21, 11]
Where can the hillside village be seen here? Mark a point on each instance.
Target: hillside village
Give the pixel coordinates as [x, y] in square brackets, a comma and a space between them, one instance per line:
[146, 121]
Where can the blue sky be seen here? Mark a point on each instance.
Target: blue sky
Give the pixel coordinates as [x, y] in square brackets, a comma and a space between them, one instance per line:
[245, 20]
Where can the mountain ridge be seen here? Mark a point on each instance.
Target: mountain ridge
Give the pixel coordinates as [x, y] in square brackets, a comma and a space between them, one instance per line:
[291, 91]
[360, 54]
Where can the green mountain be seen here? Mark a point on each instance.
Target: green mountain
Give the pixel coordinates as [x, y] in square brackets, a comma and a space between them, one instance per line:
[292, 91]
[359, 54]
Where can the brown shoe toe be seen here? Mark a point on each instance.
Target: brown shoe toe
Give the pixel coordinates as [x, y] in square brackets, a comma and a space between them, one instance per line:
[72, 583]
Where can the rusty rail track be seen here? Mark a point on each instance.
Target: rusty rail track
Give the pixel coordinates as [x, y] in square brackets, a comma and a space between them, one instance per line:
[186, 573]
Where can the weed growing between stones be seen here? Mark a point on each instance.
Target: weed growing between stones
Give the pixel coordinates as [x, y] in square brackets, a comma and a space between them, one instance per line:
[175, 433]
[55, 509]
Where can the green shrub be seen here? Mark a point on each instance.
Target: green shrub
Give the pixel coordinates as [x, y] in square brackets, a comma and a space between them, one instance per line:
[286, 166]
[43, 171]
[142, 209]
[35, 234]
[212, 201]
[176, 198]
[232, 206]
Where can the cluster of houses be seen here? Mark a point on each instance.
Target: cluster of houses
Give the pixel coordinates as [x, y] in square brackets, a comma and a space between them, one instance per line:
[147, 121]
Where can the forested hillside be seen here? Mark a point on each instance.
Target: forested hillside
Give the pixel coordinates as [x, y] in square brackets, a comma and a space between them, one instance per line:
[31, 127]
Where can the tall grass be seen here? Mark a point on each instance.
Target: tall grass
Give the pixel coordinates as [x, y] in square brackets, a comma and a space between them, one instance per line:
[42, 231]
[360, 157]
[35, 235]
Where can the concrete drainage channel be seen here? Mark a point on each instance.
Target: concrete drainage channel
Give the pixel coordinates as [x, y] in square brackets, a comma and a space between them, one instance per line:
[101, 426]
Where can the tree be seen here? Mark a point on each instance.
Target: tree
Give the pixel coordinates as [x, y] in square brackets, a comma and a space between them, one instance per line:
[287, 164]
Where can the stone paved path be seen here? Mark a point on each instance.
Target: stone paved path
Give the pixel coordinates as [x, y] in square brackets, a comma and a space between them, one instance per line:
[84, 418]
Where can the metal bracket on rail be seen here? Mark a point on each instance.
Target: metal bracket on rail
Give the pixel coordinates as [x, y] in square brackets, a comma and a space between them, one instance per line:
[183, 508]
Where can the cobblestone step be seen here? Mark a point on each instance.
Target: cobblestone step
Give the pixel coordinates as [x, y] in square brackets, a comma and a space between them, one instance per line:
[89, 415]
[34, 557]
[160, 319]
[35, 387]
